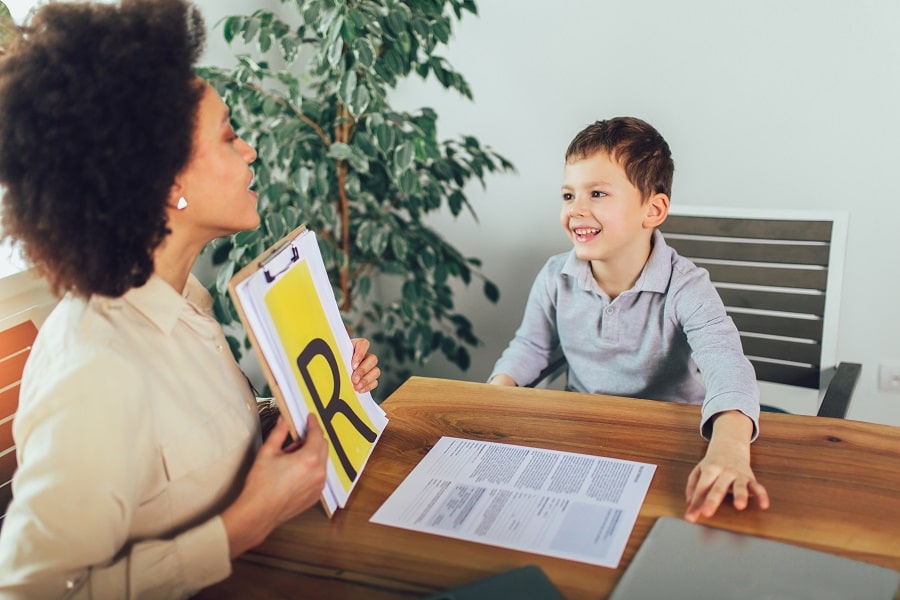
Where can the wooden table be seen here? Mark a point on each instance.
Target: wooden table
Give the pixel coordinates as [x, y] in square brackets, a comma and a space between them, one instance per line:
[834, 486]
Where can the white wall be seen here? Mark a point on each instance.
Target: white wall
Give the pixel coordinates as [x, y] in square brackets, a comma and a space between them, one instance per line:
[764, 104]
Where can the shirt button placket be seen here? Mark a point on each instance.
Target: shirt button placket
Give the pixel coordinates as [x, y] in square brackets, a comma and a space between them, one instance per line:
[610, 331]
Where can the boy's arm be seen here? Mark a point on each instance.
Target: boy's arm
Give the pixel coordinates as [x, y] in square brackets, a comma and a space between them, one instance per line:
[536, 338]
[730, 415]
[725, 469]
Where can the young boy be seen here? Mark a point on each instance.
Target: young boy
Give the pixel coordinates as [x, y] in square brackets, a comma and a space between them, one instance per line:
[632, 317]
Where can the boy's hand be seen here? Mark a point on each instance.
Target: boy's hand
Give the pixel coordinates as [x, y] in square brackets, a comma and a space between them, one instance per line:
[365, 370]
[725, 469]
[502, 379]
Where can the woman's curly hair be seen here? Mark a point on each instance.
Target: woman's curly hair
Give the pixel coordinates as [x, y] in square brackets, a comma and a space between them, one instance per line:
[98, 105]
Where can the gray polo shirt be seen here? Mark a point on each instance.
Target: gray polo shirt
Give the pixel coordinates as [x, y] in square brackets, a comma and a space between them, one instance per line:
[647, 343]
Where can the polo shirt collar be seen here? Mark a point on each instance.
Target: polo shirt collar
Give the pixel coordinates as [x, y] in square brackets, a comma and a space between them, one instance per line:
[658, 271]
[163, 306]
[654, 277]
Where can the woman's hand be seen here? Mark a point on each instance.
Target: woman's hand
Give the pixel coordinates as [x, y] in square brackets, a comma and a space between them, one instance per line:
[282, 483]
[365, 367]
[725, 469]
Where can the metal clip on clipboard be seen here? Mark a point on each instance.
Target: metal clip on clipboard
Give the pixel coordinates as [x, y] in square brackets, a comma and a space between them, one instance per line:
[272, 270]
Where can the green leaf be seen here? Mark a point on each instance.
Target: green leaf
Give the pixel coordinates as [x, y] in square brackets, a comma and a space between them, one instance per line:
[399, 246]
[384, 137]
[364, 236]
[348, 86]
[456, 200]
[364, 142]
[363, 286]
[220, 308]
[360, 100]
[265, 42]
[276, 225]
[427, 258]
[441, 29]
[231, 28]
[364, 52]
[491, 291]
[379, 241]
[462, 358]
[396, 21]
[235, 346]
[246, 238]
[393, 61]
[249, 30]
[359, 162]
[410, 291]
[301, 179]
[335, 51]
[421, 28]
[340, 151]
[224, 276]
[403, 157]
[409, 182]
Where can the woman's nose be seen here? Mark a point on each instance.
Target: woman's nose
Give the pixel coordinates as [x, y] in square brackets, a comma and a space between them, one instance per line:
[249, 152]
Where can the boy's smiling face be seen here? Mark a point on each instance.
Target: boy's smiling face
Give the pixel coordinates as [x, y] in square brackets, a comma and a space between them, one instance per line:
[604, 214]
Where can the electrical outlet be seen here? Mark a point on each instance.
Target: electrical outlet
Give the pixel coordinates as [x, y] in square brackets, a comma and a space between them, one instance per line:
[889, 376]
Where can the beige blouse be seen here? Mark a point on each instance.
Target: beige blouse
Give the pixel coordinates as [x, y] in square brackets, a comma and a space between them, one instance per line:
[135, 429]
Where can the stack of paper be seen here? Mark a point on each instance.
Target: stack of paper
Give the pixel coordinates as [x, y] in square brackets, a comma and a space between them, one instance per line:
[288, 307]
[561, 504]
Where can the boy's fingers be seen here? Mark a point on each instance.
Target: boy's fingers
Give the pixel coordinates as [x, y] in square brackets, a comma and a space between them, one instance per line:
[762, 496]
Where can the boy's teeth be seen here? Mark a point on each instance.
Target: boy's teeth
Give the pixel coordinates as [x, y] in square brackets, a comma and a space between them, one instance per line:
[591, 231]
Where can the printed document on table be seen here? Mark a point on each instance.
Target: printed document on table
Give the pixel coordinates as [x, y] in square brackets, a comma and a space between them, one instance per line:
[563, 504]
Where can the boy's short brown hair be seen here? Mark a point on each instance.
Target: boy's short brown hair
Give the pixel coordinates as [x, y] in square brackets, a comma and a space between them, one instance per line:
[636, 145]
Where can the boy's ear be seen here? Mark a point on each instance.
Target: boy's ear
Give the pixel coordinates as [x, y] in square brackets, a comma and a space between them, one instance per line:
[657, 209]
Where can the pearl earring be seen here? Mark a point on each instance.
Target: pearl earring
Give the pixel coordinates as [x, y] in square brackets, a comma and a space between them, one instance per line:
[182, 203]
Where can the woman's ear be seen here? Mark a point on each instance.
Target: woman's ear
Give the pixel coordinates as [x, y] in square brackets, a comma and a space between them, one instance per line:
[176, 200]
[657, 209]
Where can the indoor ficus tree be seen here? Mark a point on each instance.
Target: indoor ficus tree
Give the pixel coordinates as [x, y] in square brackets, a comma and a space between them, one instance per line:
[335, 156]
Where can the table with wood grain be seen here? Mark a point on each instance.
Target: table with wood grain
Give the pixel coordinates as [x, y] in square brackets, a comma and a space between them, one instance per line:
[834, 486]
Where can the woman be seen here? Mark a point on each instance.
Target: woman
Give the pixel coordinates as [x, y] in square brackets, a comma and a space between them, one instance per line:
[140, 466]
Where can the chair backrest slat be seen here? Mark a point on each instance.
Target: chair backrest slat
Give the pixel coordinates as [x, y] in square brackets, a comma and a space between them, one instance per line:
[731, 249]
[804, 230]
[783, 301]
[765, 276]
[797, 351]
[775, 325]
[807, 377]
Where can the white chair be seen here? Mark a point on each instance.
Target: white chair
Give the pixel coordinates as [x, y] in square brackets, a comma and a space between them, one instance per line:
[25, 301]
[780, 275]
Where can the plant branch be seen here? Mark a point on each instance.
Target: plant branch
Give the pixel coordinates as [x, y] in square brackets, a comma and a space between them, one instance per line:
[342, 134]
[290, 107]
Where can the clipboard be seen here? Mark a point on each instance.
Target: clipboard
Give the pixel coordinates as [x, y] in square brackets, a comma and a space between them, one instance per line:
[287, 306]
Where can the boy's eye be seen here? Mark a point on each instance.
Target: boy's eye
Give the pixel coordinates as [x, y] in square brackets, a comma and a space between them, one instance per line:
[567, 196]
[597, 194]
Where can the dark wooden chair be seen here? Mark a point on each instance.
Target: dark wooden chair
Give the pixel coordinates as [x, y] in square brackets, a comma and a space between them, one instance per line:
[779, 274]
